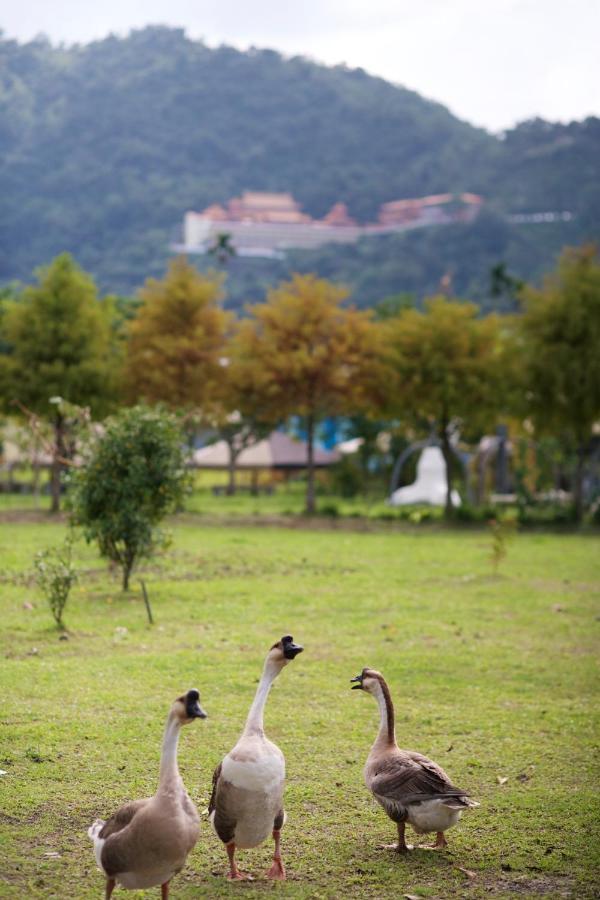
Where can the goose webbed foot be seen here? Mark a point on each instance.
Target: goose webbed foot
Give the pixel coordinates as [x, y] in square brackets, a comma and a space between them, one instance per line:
[401, 847]
[398, 848]
[440, 844]
[277, 870]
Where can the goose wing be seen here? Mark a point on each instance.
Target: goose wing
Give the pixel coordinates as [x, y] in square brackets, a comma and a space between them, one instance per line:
[212, 803]
[221, 808]
[114, 852]
[410, 777]
[122, 817]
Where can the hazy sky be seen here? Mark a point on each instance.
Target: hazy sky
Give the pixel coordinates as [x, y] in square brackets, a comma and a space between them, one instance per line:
[492, 62]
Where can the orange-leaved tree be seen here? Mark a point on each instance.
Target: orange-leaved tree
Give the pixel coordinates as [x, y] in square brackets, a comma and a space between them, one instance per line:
[305, 354]
[175, 344]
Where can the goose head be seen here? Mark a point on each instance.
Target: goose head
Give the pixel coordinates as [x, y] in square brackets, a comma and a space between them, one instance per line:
[187, 707]
[284, 651]
[369, 680]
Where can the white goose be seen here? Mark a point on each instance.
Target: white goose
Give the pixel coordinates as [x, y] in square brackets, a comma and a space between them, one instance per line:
[146, 842]
[247, 797]
[410, 787]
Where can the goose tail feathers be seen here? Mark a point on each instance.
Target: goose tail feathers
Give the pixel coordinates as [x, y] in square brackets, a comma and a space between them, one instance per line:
[95, 829]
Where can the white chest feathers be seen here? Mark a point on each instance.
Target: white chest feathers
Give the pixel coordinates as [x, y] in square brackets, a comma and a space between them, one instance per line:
[260, 770]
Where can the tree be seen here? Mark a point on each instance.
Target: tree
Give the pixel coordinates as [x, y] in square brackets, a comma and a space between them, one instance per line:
[134, 476]
[175, 345]
[60, 345]
[306, 355]
[444, 366]
[222, 248]
[560, 354]
[240, 415]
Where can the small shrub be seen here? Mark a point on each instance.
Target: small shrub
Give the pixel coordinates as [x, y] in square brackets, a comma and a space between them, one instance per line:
[501, 529]
[134, 477]
[547, 514]
[467, 513]
[329, 509]
[55, 575]
[347, 478]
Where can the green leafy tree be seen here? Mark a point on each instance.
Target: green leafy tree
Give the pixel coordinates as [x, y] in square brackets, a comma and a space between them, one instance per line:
[307, 355]
[134, 477]
[560, 355]
[444, 365]
[175, 345]
[222, 248]
[60, 345]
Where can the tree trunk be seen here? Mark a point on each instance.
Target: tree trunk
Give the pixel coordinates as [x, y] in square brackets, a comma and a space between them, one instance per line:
[127, 567]
[578, 486]
[231, 469]
[310, 477]
[57, 462]
[447, 453]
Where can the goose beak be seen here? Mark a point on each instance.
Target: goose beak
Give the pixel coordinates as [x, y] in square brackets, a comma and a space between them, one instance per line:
[290, 649]
[358, 686]
[192, 706]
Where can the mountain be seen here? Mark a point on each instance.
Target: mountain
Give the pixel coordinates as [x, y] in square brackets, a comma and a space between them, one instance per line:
[105, 145]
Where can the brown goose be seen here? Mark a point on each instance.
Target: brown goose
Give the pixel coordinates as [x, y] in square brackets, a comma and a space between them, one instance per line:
[146, 842]
[247, 797]
[410, 787]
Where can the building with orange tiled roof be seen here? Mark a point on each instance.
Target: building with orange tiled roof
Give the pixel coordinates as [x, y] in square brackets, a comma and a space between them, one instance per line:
[261, 223]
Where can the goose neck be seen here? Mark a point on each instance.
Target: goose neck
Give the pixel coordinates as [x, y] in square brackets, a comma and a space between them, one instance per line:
[386, 736]
[254, 722]
[169, 778]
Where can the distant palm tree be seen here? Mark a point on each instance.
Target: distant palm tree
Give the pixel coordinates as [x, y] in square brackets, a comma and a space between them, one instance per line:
[222, 248]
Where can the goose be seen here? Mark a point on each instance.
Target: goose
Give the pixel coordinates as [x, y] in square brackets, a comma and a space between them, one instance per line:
[410, 787]
[247, 796]
[146, 842]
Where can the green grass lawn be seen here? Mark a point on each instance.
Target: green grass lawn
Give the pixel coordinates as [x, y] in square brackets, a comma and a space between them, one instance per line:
[492, 676]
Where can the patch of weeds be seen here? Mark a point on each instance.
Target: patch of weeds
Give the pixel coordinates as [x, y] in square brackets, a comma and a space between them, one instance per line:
[35, 756]
[55, 575]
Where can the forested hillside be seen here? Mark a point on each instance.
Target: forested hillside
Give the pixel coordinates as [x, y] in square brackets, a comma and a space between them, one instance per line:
[104, 146]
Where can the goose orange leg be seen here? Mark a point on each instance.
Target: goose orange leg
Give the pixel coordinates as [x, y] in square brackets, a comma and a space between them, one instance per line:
[164, 891]
[277, 870]
[234, 873]
[110, 886]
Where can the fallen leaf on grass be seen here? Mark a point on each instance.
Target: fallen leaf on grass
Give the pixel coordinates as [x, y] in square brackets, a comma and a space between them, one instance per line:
[52, 854]
[468, 872]
[412, 896]
[501, 779]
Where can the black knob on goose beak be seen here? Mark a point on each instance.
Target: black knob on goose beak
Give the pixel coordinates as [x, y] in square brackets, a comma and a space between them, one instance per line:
[290, 649]
[358, 686]
[192, 705]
